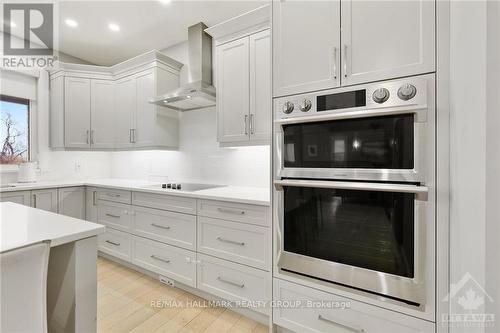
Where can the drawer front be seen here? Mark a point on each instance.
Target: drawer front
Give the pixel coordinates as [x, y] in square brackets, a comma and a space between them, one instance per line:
[341, 314]
[166, 202]
[114, 215]
[171, 261]
[114, 195]
[21, 197]
[252, 214]
[243, 243]
[233, 282]
[115, 243]
[168, 227]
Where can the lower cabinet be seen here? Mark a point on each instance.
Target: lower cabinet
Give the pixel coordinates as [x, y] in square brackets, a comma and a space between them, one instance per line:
[323, 312]
[71, 202]
[233, 281]
[171, 261]
[116, 243]
[114, 215]
[45, 199]
[19, 197]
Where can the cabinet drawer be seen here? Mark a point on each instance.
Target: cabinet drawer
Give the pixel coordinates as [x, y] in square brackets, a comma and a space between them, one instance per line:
[234, 211]
[114, 215]
[168, 227]
[115, 243]
[166, 202]
[114, 195]
[232, 281]
[350, 316]
[171, 261]
[239, 242]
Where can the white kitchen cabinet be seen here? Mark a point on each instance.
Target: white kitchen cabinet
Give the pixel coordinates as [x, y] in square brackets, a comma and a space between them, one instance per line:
[76, 112]
[125, 105]
[306, 46]
[102, 120]
[233, 85]
[45, 199]
[386, 39]
[244, 89]
[72, 202]
[19, 197]
[56, 119]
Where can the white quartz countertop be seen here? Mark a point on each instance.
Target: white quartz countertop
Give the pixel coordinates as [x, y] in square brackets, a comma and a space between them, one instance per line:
[241, 194]
[21, 225]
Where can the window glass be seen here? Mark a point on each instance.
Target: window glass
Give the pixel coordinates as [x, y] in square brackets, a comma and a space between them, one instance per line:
[14, 130]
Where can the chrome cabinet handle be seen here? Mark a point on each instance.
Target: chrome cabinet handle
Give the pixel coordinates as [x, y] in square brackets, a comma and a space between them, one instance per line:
[94, 198]
[130, 136]
[92, 133]
[345, 60]
[34, 200]
[88, 137]
[245, 124]
[114, 195]
[113, 243]
[224, 240]
[251, 123]
[133, 135]
[160, 259]
[336, 323]
[237, 284]
[334, 62]
[160, 226]
[114, 216]
[231, 211]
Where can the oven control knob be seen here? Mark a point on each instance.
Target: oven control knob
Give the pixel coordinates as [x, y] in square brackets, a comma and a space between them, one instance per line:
[305, 105]
[407, 92]
[288, 107]
[380, 95]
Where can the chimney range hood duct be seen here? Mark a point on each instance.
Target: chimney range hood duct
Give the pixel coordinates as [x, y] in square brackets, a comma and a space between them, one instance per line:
[199, 92]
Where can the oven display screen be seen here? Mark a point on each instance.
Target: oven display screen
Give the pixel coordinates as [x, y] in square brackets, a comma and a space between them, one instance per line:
[345, 100]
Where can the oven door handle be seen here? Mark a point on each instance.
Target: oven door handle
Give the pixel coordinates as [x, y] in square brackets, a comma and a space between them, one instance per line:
[420, 191]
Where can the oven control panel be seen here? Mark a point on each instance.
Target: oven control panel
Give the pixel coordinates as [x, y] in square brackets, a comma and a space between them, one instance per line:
[387, 94]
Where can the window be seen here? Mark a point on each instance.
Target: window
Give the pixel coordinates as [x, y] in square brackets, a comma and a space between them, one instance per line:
[14, 130]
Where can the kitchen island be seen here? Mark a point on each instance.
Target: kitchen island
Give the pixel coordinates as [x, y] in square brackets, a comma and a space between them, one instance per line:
[72, 276]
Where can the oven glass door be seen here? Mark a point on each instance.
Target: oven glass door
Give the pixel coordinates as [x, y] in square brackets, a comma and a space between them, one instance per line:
[366, 229]
[370, 143]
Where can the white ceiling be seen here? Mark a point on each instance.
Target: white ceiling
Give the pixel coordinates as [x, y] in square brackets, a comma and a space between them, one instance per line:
[145, 25]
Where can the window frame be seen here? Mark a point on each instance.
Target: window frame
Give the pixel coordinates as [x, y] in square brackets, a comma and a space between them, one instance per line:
[29, 104]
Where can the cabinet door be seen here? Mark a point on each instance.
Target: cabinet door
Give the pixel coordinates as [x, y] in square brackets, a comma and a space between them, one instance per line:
[21, 197]
[386, 39]
[76, 112]
[143, 131]
[56, 119]
[91, 204]
[260, 86]
[102, 124]
[233, 91]
[72, 202]
[125, 104]
[306, 46]
[45, 199]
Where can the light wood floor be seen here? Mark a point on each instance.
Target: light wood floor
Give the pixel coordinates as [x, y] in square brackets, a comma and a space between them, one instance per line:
[124, 299]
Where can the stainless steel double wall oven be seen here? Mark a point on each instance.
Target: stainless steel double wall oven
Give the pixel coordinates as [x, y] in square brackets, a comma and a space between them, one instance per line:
[353, 181]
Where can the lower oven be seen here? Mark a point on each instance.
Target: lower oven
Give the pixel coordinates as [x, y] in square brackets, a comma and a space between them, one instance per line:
[374, 237]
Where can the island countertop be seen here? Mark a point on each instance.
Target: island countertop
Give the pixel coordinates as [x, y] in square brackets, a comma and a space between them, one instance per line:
[21, 225]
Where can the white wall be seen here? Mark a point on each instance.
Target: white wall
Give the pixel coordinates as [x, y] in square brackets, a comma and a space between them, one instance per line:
[199, 157]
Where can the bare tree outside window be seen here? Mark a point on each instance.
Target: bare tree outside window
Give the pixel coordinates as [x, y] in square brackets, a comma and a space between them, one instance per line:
[14, 130]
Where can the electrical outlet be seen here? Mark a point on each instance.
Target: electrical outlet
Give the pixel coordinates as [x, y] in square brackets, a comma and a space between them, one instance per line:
[166, 280]
[78, 167]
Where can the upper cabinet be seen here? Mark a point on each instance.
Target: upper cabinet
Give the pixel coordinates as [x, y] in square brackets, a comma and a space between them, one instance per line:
[325, 44]
[243, 78]
[108, 108]
[306, 46]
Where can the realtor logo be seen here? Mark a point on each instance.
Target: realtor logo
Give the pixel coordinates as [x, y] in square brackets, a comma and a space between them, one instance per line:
[472, 299]
[33, 24]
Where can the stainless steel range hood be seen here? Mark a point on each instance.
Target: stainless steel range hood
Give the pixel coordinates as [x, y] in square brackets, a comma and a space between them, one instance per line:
[199, 92]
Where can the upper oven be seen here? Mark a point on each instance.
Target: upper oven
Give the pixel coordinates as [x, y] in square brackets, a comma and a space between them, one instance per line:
[372, 132]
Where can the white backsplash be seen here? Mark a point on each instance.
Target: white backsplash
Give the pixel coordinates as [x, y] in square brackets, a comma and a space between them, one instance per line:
[199, 159]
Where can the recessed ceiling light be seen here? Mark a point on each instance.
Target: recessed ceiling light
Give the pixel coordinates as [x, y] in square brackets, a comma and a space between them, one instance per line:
[165, 2]
[71, 23]
[114, 27]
